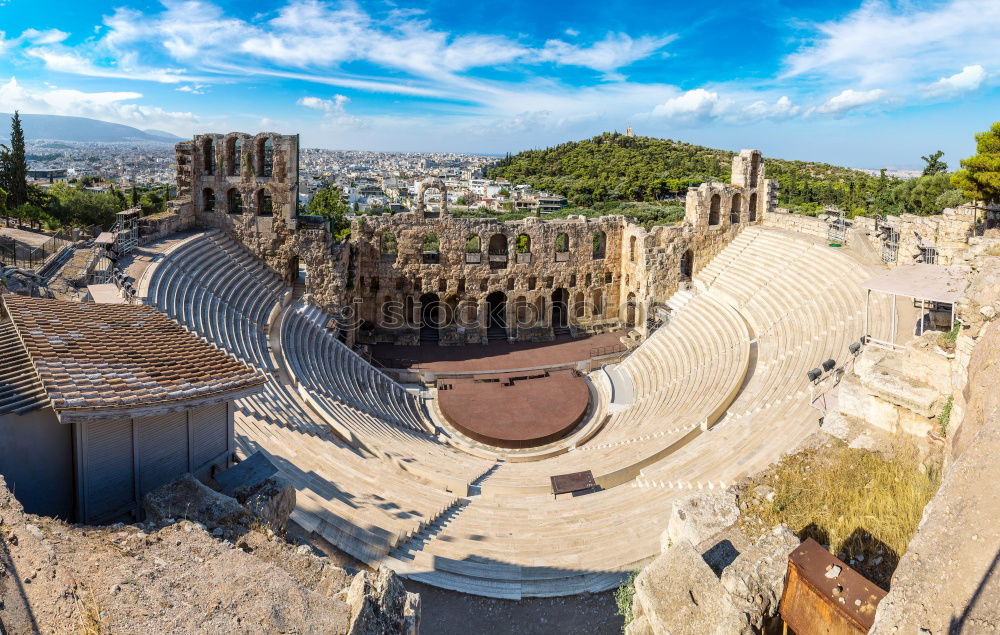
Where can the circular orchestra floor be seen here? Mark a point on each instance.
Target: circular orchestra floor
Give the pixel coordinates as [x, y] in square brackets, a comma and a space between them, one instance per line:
[515, 410]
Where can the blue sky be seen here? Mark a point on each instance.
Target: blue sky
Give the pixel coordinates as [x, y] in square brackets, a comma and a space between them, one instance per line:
[870, 84]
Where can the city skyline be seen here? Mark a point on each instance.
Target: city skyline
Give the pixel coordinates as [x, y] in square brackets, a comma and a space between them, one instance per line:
[867, 85]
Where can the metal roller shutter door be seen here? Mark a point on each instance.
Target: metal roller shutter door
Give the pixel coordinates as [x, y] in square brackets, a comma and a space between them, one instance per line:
[209, 434]
[108, 475]
[163, 449]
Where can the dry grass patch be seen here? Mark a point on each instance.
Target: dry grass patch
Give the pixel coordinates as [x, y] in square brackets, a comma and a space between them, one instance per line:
[863, 506]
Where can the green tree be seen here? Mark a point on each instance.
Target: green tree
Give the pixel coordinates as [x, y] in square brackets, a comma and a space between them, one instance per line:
[934, 164]
[14, 166]
[980, 178]
[329, 203]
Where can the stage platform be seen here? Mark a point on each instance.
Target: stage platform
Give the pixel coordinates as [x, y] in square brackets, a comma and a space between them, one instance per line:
[498, 356]
[515, 410]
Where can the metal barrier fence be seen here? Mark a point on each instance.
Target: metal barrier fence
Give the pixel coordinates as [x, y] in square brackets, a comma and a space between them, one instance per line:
[14, 255]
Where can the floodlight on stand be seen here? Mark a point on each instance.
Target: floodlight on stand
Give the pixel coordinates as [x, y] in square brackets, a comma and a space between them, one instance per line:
[829, 364]
[814, 374]
[854, 348]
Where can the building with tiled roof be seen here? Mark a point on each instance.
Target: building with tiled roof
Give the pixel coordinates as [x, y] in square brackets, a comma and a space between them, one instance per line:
[101, 403]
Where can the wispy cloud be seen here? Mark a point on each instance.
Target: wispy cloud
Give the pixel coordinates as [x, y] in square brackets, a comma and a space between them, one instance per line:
[116, 106]
[851, 99]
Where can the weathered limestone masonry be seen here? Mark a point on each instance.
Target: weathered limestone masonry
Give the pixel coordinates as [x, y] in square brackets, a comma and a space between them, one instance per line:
[247, 186]
[464, 278]
[528, 278]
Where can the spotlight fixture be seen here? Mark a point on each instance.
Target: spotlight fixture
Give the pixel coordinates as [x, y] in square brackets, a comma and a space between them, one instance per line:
[829, 364]
[855, 348]
[814, 374]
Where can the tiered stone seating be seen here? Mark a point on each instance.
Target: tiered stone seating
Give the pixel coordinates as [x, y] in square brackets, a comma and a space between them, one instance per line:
[216, 288]
[374, 482]
[366, 407]
[685, 375]
[803, 303]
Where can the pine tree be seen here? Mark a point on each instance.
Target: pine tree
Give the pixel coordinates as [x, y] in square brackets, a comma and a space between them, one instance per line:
[980, 180]
[13, 166]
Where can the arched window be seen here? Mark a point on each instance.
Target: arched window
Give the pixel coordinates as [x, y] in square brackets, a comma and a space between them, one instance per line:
[598, 301]
[754, 169]
[589, 279]
[687, 264]
[752, 216]
[208, 199]
[498, 251]
[265, 159]
[234, 201]
[734, 209]
[264, 206]
[579, 304]
[236, 156]
[562, 247]
[388, 246]
[208, 155]
[631, 249]
[430, 249]
[713, 210]
[523, 245]
[600, 244]
[473, 244]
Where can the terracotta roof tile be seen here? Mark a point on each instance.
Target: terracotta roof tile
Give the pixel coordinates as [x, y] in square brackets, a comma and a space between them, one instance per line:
[108, 355]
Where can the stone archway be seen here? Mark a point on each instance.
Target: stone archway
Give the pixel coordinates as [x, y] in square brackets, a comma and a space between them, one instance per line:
[430, 317]
[496, 315]
[560, 313]
[630, 311]
[687, 265]
[431, 184]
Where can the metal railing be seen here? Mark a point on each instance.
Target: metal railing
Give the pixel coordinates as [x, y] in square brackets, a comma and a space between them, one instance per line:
[14, 255]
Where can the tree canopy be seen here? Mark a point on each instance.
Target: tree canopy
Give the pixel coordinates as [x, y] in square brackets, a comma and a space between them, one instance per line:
[934, 163]
[980, 177]
[14, 165]
[329, 203]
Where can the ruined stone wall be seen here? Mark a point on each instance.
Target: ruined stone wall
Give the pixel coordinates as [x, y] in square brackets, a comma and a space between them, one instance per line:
[948, 233]
[461, 275]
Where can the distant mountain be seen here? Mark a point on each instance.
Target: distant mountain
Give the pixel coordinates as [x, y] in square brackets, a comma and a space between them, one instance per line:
[164, 134]
[82, 129]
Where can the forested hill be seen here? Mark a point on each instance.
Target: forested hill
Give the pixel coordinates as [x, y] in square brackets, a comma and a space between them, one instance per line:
[615, 167]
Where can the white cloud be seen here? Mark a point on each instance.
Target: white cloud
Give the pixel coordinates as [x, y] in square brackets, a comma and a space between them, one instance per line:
[615, 51]
[694, 105]
[109, 106]
[72, 63]
[968, 79]
[901, 43]
[783, 108]
[851, 99]
[571, 32]
[192, 89]
[334, 110]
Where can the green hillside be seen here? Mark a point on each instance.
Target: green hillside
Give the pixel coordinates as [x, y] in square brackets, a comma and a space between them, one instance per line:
[614, 167]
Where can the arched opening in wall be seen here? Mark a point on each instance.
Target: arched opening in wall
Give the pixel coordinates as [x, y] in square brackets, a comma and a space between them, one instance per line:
[600, 244]
[498, 251]
[265, 157]
[234, 201]
[588, 280]
[561, 246]
[235, 156]
[631, 249]
[388, 247]
[208, 199]
[713, 210]
[208, 155]
[754, 169]
[598, 300]
[523, 312]
[473, 249]
[430, 249]
[579, 303]
[438, 203]
[687, 265]
[430, 317]
[734, 209]
[522, 249]
[264, 205]
[496, 311]
[560, 316]
[752, 216]
[630, 310]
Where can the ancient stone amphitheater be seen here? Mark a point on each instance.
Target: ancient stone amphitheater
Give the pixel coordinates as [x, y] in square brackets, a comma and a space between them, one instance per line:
[714, 390]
